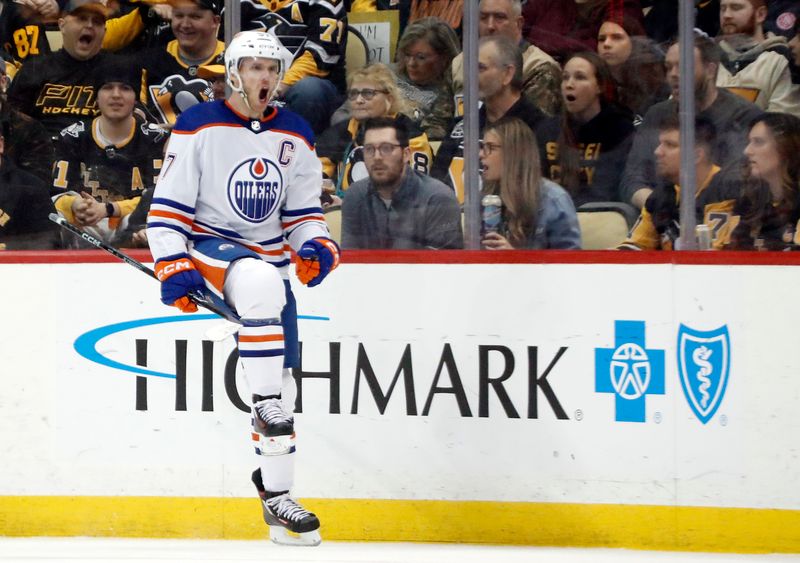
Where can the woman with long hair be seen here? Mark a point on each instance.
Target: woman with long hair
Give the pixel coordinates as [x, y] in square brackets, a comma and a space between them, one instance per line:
[585, 148]
[636, 63]
[768, 210]
[537, 213]
[372, 92]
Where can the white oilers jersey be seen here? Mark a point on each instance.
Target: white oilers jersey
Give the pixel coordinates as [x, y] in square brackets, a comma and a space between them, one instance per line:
[254, 182]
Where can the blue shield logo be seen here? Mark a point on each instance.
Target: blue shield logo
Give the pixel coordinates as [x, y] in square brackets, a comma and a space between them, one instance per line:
[704, 359]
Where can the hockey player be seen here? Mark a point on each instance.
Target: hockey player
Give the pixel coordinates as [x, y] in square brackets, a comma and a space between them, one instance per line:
[240, 179]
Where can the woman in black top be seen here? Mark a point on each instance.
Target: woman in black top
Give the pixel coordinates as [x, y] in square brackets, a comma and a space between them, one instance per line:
[768, 210]
[585, 148]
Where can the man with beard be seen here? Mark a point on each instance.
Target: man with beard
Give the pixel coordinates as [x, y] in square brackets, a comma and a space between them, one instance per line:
[397, 207]
[730, 115]
[58, 89]
[755, 64]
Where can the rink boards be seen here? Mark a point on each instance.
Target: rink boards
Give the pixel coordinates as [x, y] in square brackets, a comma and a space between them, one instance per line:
[575, 402]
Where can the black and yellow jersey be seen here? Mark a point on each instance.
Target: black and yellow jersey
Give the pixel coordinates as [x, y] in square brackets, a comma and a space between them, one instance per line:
[169, 85]
[339, 149]
[109, 173]
[314, 31]
[658, 226]
[21, 37]
[57, 90]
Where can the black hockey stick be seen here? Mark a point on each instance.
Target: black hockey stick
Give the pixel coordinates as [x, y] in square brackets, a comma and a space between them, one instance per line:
[203, 298]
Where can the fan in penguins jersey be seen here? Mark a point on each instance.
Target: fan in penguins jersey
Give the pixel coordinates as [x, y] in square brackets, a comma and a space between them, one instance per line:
[240, 180]
[172, 73]
[103, 164]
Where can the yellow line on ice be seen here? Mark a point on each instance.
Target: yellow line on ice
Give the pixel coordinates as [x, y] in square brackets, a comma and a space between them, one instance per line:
[742, 530]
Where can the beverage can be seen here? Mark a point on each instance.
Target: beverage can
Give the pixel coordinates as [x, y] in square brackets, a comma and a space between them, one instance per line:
[491, 213]
[703, 234]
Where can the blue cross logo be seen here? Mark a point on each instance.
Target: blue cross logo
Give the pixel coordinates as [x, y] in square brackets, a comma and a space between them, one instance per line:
[629, 370]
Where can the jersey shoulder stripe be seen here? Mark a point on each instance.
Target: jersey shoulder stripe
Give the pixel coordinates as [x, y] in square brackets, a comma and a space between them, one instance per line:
[299, 212]
[204, 114]
[174, 204]
[285, 121]
[219, 114]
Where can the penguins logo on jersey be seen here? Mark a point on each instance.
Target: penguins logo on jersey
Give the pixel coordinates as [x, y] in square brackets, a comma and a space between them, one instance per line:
[291, 35]
[355, 169]
[73, 130]
[254, 189]
[175, 94]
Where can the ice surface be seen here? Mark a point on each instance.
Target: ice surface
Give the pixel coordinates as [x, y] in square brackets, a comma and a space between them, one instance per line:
[36, 550]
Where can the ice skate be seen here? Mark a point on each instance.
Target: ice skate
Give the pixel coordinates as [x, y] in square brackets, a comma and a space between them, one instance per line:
[289, 523]
[270, 418]
[273, 426]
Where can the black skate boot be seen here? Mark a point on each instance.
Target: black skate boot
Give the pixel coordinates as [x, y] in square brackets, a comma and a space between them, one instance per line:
[289, 523]
[270, 418]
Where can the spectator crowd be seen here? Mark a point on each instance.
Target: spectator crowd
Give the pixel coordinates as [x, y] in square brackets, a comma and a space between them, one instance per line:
[579, 111]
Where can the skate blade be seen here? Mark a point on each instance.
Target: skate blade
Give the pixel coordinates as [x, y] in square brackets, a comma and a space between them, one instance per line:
[282, 536]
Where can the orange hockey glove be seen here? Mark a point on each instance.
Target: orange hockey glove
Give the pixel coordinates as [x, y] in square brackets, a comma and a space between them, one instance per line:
[316, 259]
[178, 277]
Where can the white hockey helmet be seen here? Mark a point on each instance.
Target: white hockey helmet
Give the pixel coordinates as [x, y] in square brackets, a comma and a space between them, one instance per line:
[260, 44]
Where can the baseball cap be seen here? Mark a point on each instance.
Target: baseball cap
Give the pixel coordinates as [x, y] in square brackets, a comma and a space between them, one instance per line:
[213, 5]
[98, 6]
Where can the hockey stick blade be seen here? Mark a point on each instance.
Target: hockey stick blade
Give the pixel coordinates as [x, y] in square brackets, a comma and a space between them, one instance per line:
[203, 298]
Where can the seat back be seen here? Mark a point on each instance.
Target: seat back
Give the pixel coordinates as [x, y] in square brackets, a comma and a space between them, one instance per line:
[605, 224]
[333, 216]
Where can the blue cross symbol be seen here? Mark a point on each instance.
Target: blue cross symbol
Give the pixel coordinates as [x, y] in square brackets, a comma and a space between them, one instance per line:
[629, 370]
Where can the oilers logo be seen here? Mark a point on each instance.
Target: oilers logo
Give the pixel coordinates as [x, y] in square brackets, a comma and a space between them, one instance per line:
[255, 188]
[703, 366]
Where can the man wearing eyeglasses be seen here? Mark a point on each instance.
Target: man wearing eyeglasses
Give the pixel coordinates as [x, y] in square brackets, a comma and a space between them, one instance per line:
[396, 207]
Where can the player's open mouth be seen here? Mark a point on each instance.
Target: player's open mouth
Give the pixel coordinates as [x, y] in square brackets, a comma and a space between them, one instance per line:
[262, 95]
